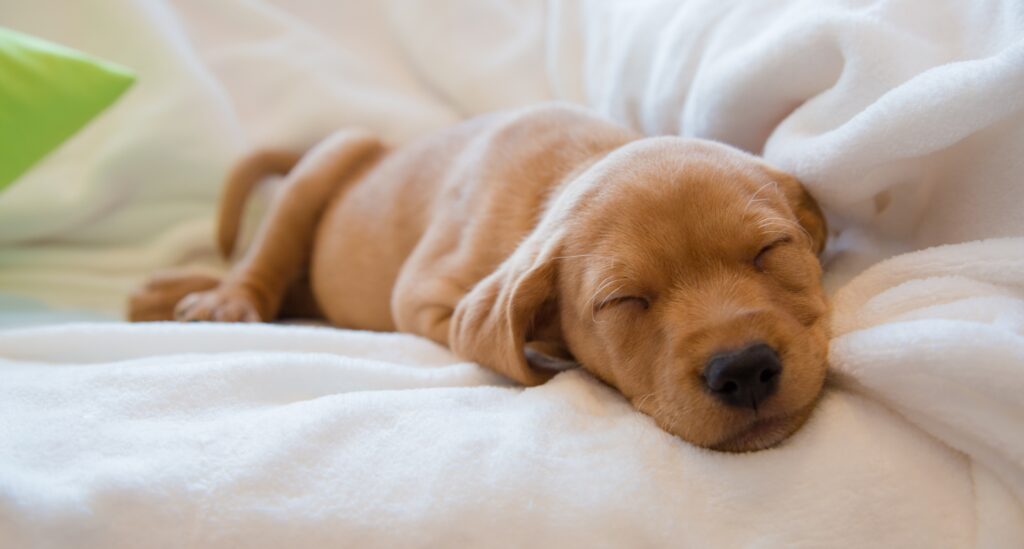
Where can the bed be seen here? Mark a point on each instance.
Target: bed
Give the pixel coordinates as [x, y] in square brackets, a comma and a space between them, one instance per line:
[905, 118]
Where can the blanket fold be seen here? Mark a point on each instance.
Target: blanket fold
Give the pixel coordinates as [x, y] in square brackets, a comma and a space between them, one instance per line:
[206, 435]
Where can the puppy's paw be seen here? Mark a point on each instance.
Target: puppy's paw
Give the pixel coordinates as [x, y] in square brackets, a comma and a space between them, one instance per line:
[156, 299]
[219, 305]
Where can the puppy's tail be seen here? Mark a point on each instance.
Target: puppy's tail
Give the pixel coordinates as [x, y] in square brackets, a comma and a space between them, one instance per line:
[243, 178]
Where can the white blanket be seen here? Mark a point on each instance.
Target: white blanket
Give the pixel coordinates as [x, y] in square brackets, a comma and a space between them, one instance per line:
[905, 118]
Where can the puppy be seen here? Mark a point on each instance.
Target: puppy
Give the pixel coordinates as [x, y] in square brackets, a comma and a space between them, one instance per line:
[682, 272]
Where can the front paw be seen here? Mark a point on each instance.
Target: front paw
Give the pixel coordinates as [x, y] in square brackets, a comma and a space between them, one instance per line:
[219, 305]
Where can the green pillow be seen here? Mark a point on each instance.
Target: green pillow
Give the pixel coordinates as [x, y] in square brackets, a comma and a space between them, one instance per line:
[47, 93]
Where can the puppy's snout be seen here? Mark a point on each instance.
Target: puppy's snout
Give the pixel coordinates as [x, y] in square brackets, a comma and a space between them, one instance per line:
[744, 378]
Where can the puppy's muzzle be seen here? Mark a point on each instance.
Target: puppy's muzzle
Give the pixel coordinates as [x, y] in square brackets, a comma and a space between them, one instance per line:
[744, 378]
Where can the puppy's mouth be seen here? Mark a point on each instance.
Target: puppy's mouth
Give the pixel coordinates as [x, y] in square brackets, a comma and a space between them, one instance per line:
[764, 433]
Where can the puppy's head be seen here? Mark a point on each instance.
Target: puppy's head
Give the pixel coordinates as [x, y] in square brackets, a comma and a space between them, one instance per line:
[683, 273]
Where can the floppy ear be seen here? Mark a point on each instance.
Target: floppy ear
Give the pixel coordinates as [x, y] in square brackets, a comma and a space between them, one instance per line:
[494, 323]
[808, 214]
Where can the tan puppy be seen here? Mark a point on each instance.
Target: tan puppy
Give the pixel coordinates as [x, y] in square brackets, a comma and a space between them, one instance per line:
[681, 272]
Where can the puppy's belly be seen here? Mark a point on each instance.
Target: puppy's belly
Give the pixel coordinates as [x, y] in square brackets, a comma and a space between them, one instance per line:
[368, 233]
[350, 275]
[362, 242]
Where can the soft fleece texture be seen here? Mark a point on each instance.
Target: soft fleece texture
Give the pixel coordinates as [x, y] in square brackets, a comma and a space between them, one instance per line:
[904, 117]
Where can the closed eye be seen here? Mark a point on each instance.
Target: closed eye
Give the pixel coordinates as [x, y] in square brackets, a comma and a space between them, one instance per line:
[759, 259]
[632, 300]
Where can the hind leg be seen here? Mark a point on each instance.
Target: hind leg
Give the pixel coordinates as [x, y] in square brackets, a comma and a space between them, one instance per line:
[157, 298]
[219, 306]
[256, 287]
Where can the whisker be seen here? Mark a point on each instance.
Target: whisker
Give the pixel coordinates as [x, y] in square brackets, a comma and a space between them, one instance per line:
[751, 202]
[611, 279]
[776, 224]
[639, 403]
[776, 219]
[754, 198]
[592, 303]
[593, 313]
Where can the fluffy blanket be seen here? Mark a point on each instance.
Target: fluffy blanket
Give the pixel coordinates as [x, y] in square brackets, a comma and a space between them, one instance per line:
[904, 117]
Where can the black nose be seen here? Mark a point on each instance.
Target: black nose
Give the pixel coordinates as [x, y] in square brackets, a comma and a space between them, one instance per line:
[745, 377]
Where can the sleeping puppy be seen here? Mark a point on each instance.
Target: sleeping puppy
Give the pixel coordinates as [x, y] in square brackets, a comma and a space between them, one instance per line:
[682, 272]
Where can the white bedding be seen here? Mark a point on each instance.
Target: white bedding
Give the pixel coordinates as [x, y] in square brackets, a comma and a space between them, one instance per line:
[905, 118]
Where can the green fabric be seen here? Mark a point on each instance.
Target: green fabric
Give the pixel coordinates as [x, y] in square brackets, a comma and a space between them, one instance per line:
[47, 93]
